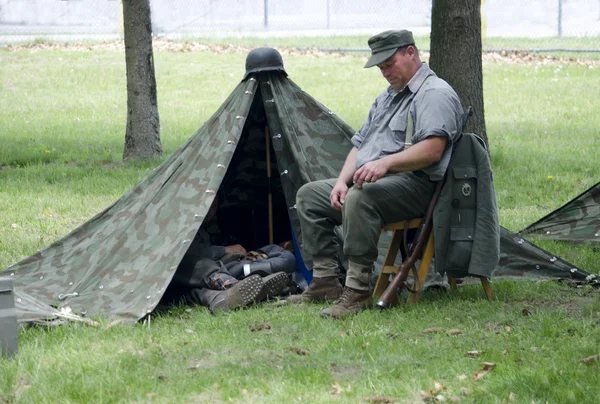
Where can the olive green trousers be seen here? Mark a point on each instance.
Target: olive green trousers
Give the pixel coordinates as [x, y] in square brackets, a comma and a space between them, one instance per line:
[365, 212]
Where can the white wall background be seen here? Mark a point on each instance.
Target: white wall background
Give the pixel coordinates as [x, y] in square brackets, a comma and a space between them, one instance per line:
[505, 18]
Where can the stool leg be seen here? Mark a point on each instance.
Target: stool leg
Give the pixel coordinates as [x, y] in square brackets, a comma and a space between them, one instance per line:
[423, 269]
[486, 287]
[388, 265]
[452, 282]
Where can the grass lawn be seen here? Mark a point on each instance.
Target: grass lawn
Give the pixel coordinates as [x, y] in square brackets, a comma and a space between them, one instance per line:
[62, 125]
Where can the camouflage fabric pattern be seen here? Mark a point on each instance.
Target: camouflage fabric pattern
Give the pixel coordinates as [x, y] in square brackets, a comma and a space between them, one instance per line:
[576, 221]
[307, 150]
[118, 264]
[521, 258]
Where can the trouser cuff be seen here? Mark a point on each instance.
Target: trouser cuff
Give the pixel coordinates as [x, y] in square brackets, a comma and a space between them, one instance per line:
[359, 276]
[324, 267]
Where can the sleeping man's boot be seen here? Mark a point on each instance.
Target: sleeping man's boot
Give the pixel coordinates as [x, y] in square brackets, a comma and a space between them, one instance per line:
[241, 294]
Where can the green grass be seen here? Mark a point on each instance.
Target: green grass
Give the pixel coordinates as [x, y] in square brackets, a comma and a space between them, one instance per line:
[62, 125]
[188, 355]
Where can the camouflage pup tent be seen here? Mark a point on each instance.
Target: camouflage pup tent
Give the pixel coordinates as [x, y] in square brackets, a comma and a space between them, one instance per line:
[576, 221]
[268, 138]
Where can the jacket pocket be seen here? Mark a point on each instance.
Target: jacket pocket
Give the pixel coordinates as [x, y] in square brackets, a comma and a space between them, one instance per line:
[461, 246]
[396, 135]
[464, 188]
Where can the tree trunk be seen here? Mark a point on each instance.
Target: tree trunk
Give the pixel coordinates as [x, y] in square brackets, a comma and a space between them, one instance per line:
[142, 136]
[456, 54]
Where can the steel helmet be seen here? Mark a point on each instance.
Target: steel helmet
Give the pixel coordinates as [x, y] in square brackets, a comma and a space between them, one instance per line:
[263, 59]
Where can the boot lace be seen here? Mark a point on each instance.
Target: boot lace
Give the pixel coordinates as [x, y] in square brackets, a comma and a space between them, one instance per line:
[347, 297]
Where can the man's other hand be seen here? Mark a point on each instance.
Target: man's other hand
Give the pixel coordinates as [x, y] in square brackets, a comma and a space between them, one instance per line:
[338, 195]
[235, 249]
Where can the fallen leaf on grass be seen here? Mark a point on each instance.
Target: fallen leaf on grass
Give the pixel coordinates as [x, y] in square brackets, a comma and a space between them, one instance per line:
[487, 368]
[511, 396]
[505, 352]
[299, 351]
[589, 359]
[434, 395]
[259, 327]
[462, 377]
[113, 323]
[454, 331]
[474, 353]
[381, 399]
[337, 389]
[525, 312]
[438, 387]
[433, 330]
[22, 385]
[465, 391]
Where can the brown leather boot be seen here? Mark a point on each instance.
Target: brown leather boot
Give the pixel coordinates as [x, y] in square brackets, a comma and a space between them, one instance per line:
[320, 290]
[352, 301]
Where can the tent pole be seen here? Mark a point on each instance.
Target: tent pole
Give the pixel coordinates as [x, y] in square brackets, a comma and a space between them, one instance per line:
[270, 197]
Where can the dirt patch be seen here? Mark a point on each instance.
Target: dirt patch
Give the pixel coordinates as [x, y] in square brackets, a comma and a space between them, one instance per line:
[343, 371]
[570, 302]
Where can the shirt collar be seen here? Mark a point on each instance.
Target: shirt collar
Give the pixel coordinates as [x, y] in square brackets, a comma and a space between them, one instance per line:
[417, 80]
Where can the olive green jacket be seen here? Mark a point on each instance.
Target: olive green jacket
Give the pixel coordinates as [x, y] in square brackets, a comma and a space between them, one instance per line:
[465, 219]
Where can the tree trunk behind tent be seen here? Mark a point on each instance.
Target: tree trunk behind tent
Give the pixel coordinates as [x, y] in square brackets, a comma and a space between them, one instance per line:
[456, 54]
[142, 136]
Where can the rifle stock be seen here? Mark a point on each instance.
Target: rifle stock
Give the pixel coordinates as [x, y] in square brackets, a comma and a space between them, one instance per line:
[399, 281]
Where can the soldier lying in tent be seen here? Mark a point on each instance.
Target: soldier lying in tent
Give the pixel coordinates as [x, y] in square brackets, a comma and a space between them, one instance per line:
[223, 278]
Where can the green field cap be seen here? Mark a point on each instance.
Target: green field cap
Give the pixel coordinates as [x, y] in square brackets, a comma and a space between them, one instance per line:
[384, 45]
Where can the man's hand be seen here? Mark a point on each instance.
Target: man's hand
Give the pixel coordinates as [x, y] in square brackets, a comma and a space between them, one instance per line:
[370, 172]
[338, 195]
[235, 249]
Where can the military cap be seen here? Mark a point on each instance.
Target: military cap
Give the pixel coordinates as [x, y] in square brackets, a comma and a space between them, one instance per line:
[385, 44]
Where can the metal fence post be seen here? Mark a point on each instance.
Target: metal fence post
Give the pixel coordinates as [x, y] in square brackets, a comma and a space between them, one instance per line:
[266, 9]
[559, 18]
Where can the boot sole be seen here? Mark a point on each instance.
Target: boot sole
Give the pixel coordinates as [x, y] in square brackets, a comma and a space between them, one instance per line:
[244, 292]
[273, 285]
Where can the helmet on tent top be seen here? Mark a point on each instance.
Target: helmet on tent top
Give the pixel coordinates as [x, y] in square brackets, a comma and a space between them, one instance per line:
[263, 59]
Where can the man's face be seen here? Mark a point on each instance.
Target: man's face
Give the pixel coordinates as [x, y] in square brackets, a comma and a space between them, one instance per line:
[398, 68]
